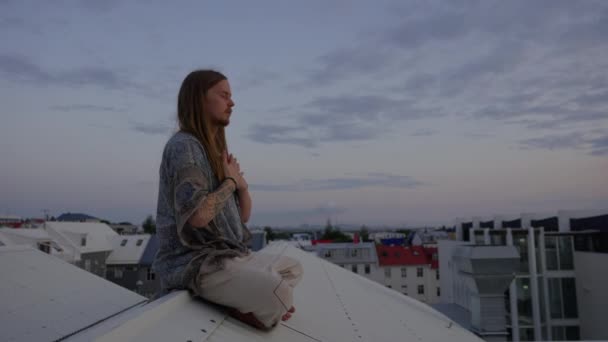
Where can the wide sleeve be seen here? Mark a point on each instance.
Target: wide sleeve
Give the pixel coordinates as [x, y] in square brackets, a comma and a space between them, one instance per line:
[190, 182]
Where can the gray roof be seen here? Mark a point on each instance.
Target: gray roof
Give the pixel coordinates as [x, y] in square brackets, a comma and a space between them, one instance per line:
[345, 255]
[127, 249]
[46, 299]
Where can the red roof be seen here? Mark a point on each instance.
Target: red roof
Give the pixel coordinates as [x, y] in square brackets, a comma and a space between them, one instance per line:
[400, 255]
[314, 242]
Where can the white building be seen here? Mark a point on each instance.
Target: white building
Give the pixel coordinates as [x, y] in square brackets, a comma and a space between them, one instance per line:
[36, 238]
[544, 300]
[413, 271]
[87, 244]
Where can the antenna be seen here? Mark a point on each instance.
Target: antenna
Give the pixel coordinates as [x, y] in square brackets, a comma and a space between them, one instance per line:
[46, 217]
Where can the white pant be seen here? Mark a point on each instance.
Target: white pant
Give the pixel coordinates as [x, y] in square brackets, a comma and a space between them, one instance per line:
[259, 283]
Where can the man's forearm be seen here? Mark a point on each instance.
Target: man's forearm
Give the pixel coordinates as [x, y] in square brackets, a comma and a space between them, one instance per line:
[245, 204]
[212, 204]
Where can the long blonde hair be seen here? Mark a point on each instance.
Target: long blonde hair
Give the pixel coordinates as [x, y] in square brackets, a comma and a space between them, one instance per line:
[192, 118]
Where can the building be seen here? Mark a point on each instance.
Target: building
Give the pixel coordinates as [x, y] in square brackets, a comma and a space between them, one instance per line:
[359, 258]
[544, 298]
[333, 304]
[410, 271]
[378, 236]
[125, 229]
[413, 271]
[130, 264]
[87, 244]
[9, 219]
[258, 240]
[36, 238]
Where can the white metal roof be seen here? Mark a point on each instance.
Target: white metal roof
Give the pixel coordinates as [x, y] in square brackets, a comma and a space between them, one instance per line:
[332, 304]
[45, 299]
[5, 239]
[98, 235]
[128, 249]
[28, 234]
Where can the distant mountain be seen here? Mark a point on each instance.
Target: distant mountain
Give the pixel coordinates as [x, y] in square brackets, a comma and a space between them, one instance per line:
[75, 217]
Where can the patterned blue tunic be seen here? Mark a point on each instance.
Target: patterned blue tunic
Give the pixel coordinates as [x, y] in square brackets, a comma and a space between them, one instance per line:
[186, 177]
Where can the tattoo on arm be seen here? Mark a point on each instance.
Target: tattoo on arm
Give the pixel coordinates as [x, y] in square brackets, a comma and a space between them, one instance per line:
[213, 204]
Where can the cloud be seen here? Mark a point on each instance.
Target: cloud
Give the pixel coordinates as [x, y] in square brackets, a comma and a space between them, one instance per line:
[255, 78]
[21, 68]
[346, 63]
[84, 108]
[494, 59]
[424, 132]
[151, 128]
[340, 118]
[278, 134]
[371, 180]
[317, 214]
[100, 6]
[594, 143]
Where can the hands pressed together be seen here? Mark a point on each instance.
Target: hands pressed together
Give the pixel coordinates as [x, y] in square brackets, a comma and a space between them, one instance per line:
[233, 169]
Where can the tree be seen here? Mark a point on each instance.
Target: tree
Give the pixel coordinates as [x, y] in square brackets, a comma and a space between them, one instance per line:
[149, 225]
[269, 233]
[364, 234]
[334, 234]
[406, 232]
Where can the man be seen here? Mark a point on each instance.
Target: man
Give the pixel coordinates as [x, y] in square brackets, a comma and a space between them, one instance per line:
[203, 205]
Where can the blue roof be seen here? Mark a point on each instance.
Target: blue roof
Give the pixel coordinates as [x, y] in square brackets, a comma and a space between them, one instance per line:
[150, 252]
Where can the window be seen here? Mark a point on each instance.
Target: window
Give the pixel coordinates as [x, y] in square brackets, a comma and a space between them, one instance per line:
[438, 292]
[151, 275]
[421, 289]
[562, 298]
[387, 272]
[139, 242]
[83, 241]
[366, 269]
[45, 247]
[353, 252]
[118, 273]
[437, 274]
[565, 333]
[123, 243]
[354, 268]
[403, 272]
[390, 287]
[87, 265]
[419, 272]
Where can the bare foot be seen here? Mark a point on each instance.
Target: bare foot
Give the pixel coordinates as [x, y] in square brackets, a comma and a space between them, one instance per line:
[288, 314]
[247, 318]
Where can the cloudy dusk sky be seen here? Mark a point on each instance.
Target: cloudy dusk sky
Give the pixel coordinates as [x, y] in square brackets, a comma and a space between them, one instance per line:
[383, 112]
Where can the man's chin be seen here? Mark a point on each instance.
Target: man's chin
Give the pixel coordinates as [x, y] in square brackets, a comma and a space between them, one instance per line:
[222, 122]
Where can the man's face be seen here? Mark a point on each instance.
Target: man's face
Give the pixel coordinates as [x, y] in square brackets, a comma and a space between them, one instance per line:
[218, 104]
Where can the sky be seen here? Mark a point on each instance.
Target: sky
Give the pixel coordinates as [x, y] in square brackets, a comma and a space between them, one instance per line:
[379, 113]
